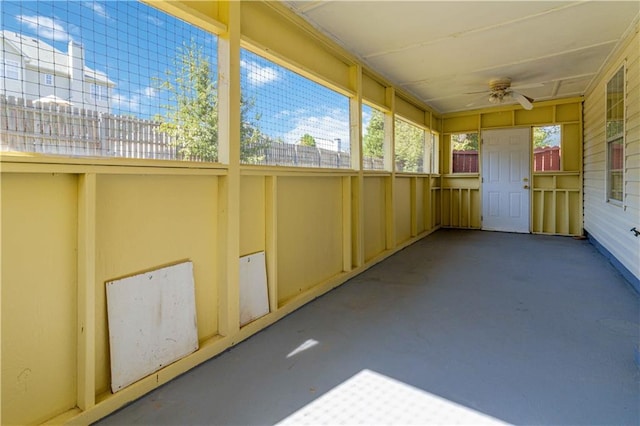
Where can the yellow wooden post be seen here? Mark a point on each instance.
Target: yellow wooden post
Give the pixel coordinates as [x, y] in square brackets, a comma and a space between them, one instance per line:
[229, 153]
[390, 165]
[414, 205]
[86, 290]
[346, 224]
[271, 239]
[356, 198]
[1, 294]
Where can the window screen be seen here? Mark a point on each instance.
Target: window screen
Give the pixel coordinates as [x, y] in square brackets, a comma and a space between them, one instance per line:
[106, 78]
[409, 147]
[373, 138]
[546, 148]
[289, 120]
[464, 153]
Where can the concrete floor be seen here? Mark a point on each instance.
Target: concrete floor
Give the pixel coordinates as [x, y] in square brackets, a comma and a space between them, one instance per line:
[527, 329]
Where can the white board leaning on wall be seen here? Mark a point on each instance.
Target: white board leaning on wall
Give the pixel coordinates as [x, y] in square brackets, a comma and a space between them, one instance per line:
[152, 322]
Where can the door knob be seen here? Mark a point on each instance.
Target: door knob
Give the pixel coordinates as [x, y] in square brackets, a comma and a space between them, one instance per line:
[526, 187]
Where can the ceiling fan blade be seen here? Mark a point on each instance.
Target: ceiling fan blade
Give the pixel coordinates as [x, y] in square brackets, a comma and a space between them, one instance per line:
[527, 86]
[475, 93]
[525, 101]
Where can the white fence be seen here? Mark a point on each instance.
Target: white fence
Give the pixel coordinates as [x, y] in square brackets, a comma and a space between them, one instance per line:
[28, 126]
[60, 129]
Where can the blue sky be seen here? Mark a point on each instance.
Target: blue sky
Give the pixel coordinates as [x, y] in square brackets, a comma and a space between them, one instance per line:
[132, 43]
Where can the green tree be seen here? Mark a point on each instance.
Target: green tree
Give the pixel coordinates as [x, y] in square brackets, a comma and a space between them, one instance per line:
[252, 140]
[545, 136]
[373, 142]
[409, 146]
[464, 141]
[191, 116]
[307, 140]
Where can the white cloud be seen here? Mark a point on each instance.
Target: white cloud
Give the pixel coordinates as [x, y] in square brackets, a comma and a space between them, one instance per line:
[45, 27]
[259, 75]
[137, 102]
[325, 129]
[97, 8]
[149, 92]
[127, 103]
[288, 114]
[155, 21]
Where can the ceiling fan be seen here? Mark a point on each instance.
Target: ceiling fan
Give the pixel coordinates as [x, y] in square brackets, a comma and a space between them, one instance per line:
[500, 90]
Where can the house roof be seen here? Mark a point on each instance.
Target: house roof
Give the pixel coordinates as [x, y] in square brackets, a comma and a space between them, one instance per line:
[46, 58]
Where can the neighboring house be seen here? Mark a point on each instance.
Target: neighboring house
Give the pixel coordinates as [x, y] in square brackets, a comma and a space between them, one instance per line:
[34, 70]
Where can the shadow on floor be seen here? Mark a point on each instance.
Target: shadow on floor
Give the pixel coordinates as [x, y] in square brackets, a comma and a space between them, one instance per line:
[527, 329]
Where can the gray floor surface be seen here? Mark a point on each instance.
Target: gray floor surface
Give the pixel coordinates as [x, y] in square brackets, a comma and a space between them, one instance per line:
[528, 329]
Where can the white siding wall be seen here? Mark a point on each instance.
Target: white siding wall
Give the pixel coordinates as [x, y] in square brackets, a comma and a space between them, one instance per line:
[10, 86]
[33, 87]
[609, 224]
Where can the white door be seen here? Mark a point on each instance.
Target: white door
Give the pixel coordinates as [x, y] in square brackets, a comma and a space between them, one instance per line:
[505, 180]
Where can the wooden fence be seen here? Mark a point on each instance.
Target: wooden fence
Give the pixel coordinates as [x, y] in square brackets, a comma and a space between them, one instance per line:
[60, 129]
[49, 128]
[285, 154]
[465, 162]
[546, 159]
[28, 126]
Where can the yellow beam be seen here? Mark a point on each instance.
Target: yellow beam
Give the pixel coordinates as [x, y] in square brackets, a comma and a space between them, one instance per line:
[86, 290]
[190, 12]
[355, 197]
[229, 153]
[347, 260]
[271, 239]
[390, 165]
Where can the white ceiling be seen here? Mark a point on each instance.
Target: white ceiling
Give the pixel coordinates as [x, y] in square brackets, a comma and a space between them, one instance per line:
[440, 51]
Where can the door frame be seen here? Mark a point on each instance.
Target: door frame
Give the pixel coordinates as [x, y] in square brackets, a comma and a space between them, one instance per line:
[529, 174]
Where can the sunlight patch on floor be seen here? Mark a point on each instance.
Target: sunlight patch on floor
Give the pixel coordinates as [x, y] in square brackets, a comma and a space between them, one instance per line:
[370, 398]
[308, 344]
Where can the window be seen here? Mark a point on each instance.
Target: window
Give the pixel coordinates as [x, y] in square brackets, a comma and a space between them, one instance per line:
[546, 148]
[290, 120]
[98, 93]
[140, 83]
[464, 153]
[11, 69]
[615, 136]
[409, 147]
[373, 138]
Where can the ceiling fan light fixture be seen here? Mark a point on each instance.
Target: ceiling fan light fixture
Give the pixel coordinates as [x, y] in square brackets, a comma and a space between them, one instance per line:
[495, 98]
[500, 90]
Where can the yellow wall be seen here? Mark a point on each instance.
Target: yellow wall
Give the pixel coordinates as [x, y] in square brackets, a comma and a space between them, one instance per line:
[374, 217]
[402, 208]
[309, 233]
[556, 197]
[144, 222]
[421, 202]
[374, 91]
[39, 245]
[252, 214]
